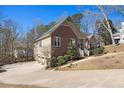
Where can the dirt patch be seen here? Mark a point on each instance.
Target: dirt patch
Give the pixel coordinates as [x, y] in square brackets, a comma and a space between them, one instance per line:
[114, 48]
[111, 61]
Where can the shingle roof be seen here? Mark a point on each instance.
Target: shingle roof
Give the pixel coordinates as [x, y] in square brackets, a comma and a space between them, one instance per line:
[79, 34]
[52, 28]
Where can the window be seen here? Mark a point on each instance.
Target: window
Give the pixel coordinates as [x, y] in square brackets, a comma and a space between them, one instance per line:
[73, 42]
[57, 41]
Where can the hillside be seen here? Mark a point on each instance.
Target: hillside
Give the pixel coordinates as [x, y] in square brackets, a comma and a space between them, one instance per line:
[114, 48]
[114, 59]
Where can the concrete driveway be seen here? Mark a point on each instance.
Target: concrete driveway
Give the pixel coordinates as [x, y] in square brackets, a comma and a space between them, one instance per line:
[33, 74]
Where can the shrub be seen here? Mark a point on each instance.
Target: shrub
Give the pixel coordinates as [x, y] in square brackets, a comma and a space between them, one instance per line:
[61, 60]
[67, 57]
[76, 55]
[71, 51]
[100, 50]
[54, 62]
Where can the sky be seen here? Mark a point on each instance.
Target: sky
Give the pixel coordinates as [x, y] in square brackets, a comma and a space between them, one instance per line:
[27, 16]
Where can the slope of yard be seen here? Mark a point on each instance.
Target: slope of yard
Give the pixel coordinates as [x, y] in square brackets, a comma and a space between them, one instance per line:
[114, 59]
[114, 48]
[107, 61]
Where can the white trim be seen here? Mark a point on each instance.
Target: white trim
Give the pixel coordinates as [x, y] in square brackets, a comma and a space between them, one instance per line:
[73, 42]
[57, 41]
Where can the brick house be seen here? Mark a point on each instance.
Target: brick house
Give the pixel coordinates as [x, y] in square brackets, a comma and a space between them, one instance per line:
[55, 41]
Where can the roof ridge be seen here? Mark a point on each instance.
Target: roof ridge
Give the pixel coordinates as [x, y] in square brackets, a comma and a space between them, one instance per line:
[53, 28]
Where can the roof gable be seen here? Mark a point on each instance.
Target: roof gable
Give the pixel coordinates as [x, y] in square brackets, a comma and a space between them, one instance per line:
[70, 22]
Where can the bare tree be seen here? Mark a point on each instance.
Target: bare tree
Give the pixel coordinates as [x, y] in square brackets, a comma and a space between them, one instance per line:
[7, 40]
[89, 21]
[91, 17]
[108, 27]
[29, 45]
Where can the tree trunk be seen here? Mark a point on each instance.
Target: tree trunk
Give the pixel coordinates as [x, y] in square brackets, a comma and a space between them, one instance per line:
[108, 25]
